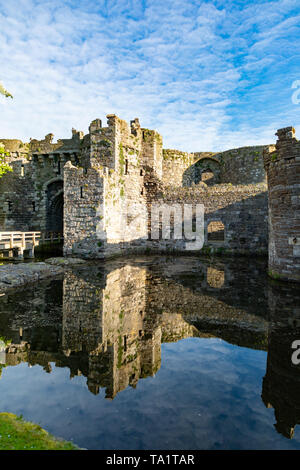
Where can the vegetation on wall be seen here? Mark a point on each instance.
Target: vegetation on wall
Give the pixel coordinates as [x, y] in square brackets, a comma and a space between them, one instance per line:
[4, 167]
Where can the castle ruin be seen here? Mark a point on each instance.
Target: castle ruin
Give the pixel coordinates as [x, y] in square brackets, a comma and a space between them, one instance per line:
[80, 187]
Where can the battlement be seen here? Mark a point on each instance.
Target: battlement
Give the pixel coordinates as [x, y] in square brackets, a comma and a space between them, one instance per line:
[286, 133]
[287, 148]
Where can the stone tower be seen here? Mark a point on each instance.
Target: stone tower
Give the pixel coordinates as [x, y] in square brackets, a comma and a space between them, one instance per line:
[282, 164]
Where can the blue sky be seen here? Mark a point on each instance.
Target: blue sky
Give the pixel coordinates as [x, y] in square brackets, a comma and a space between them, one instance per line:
[208, 75]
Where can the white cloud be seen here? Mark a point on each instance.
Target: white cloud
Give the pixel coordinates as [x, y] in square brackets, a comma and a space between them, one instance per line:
[184, 69]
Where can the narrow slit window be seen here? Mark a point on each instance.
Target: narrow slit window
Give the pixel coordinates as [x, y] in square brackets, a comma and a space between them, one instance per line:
[33, 206]
[81, 192]
[126, 167]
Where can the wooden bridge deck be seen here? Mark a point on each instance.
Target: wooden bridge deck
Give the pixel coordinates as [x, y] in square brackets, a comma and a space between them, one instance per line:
[17, 242]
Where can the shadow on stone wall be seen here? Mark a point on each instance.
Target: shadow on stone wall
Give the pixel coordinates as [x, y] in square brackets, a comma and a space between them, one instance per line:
[244, 220]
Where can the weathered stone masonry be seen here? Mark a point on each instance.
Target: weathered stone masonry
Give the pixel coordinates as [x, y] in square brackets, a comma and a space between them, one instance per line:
[31, 197]
[282, 163]
[85, 184]
[133, 171]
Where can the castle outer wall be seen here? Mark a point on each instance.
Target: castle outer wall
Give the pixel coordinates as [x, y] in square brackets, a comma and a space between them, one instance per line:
[282, 163]
[98, 189]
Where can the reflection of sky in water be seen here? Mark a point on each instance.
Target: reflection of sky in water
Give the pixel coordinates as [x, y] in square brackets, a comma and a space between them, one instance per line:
[207, 395]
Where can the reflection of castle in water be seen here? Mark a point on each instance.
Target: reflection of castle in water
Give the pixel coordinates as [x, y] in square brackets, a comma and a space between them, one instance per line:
[281, 384]
[107, 323]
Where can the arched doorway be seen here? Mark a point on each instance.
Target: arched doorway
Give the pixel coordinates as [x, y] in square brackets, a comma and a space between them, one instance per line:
[55, 207]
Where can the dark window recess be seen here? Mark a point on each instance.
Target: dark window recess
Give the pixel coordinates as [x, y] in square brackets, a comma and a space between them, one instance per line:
[81, 191]
[142, 191]
[33, 206]
[125, 343]
[126, 167]
[141, 173]
[9, 204]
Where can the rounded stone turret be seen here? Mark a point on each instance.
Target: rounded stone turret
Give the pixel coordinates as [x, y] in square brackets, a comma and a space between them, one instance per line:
[282, 164]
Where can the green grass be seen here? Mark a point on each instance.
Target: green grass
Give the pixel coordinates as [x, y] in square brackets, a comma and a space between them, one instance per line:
[17, 434]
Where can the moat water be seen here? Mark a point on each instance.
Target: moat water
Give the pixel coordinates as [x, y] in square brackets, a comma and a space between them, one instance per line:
[156, 353]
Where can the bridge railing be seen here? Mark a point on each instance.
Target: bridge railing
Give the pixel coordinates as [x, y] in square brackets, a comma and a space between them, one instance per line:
[51, 236]
[19, 239]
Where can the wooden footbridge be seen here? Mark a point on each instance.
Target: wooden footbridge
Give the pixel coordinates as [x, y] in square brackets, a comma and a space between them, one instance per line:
[14, 244]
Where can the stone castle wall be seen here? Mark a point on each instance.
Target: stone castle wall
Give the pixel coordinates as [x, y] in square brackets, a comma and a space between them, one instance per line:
[30, 193]
[243, 211]
[99, 188]
[97, 221]
[244, 165]
[236, 166]
[282, 163]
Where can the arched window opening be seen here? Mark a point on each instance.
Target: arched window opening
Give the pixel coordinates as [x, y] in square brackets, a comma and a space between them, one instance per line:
[215, 232]
[206, 170]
